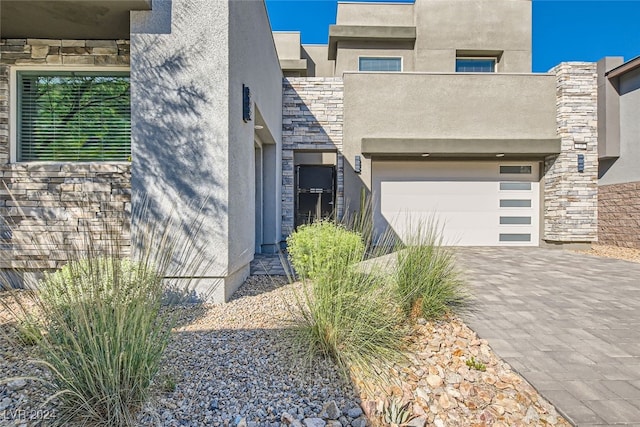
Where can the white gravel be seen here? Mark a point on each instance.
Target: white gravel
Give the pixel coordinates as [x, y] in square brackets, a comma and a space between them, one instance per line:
[236, 363]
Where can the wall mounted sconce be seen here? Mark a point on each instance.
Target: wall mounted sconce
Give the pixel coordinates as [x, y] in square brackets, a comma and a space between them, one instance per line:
[358, 164]
[580, 162]
[246, 103]
[500, 155]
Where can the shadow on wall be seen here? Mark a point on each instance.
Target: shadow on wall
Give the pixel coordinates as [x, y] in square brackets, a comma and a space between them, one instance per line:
[178, 157]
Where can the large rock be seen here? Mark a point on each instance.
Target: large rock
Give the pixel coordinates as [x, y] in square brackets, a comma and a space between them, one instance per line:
[330, 411]
[314, 422]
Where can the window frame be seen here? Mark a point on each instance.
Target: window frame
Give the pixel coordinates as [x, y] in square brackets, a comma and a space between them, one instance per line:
[478, 58]
[14, 108]
[401, 58]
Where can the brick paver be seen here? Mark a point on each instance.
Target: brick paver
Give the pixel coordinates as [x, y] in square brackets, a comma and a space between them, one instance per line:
[568, 322]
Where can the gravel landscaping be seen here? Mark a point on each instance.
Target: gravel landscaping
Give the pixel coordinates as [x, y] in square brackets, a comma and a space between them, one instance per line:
[617, 252]
[236, 364]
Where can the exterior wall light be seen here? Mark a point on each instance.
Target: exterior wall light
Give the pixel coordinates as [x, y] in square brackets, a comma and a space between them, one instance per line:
[500, 155]
[580, 162]
[424, 155]
[246, 103]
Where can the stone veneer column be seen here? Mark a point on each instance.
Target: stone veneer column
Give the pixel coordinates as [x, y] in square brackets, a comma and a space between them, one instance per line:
[571, 197]
[312, 117]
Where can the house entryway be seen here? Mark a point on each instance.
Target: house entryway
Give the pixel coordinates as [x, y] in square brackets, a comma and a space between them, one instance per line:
[315, 192]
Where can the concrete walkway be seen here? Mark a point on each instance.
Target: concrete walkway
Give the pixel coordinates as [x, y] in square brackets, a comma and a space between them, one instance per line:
[270, 264]
[568, 322]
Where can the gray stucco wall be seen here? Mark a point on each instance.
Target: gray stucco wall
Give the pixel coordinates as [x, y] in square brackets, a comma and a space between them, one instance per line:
[444, 106]
[626, 167]
[179, 128]
[253, 62]
[192, 151]
[317, 60]
[475, 25]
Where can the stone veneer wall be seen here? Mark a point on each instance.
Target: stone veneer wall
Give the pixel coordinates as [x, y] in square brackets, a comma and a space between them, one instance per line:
[619, 214]
[571, 197]
[49, 207]
[312, 117]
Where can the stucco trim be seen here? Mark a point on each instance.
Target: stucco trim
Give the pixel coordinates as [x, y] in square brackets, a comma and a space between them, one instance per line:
[293, 64]
[368, 32]
[457, 147]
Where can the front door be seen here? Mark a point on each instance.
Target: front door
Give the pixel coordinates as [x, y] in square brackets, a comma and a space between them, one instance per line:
[315, 193]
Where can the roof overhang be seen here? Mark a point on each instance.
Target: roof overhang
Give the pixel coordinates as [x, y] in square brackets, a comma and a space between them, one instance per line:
[624, 68]
[369, 33]
[299, 65]
[447, 147]
[68, 19]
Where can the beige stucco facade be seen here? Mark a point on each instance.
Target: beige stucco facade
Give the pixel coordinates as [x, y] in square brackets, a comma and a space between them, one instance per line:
[430, 113]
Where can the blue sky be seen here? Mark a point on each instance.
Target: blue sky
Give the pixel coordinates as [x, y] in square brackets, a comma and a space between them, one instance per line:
[563, 30]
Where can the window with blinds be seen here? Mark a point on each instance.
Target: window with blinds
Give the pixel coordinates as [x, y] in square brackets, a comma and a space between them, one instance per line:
[74, 116]
[379, 64]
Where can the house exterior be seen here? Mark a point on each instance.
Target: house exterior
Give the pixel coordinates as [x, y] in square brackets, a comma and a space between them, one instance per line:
[429, 107]
[619, 151]
[432, 110]
[187, 64]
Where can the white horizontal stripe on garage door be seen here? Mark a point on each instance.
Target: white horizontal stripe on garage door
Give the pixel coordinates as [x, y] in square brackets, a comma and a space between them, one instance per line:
[464, 197]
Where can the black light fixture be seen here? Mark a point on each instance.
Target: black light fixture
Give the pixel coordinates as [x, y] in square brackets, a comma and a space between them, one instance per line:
[246, 103]
[357, 166]
[580, 162]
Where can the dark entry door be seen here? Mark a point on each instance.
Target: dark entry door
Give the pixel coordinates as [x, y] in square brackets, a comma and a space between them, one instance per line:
[315, 193]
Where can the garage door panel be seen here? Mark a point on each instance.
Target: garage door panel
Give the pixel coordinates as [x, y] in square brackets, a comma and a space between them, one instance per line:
[472, 202]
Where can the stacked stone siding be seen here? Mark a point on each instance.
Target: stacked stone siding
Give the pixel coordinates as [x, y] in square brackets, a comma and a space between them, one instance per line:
[64, 52]
[619, 214]
[312, 118]
[47, 209]
[571, 197]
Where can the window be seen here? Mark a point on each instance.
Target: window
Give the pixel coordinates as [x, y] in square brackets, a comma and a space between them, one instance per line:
[73, 116]
[515, 170]
[379, 64]
[475, 65]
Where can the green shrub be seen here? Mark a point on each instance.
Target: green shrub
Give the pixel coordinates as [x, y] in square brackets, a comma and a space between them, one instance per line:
[427, 280]
[98, 322]
[315, 247]
[346, 314]
[104, 337]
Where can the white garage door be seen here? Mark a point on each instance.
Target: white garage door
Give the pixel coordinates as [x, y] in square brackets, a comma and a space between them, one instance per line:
[477, 203]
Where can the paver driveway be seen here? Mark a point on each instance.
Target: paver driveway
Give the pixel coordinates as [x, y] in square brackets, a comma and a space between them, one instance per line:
[568, 322]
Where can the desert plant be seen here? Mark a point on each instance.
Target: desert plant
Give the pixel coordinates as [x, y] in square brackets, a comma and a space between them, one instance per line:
[428, 282]
[395, 413]
[344, 313]
[99, 324]
[476, 364]
[313, 247]
[104, 337]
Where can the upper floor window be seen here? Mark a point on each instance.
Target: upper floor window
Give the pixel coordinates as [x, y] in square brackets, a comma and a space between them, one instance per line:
[73, 116]
[475, 65]
[379, 64]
